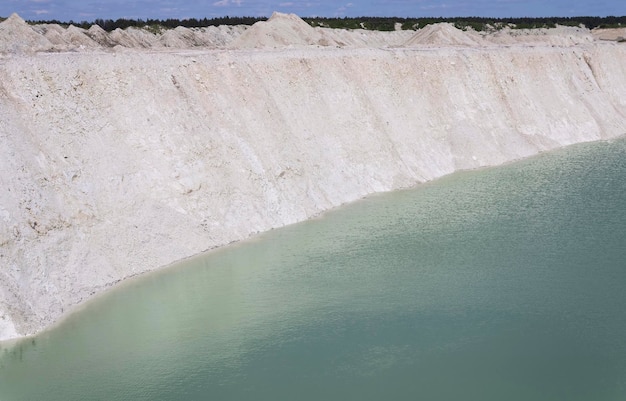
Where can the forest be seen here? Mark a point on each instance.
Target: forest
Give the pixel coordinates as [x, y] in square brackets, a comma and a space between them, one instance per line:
[369, 23]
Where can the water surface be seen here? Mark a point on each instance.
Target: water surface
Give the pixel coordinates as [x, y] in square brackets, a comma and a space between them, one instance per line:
[499, 284]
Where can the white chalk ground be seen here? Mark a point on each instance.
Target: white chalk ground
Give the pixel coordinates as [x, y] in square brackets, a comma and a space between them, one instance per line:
[123, 152]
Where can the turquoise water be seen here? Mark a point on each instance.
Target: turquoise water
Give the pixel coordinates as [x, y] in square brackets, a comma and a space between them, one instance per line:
[499, 284]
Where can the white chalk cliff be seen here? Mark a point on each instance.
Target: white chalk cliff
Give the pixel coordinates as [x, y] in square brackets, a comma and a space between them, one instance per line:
[116, 163]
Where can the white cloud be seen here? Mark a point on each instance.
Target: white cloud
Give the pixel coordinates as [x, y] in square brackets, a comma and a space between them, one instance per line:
[224, 3]
[435, 7]
[41, 12]
[341, 10]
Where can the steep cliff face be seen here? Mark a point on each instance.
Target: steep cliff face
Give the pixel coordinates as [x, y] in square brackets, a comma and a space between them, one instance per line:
[116, 164]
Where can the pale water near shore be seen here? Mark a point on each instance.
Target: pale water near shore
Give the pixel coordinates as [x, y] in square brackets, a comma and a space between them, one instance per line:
[501, 284]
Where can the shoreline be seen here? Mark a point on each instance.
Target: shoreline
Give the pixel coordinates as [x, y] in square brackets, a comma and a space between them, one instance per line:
[168, 269]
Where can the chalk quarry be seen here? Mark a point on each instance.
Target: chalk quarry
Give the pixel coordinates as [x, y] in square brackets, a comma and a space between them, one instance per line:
[123, 152]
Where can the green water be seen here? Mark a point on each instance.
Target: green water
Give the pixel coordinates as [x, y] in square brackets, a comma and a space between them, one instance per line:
[500, 284]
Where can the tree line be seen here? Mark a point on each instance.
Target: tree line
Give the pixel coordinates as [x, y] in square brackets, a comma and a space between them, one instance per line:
[170, 23]
[369, 23]
[476, 23]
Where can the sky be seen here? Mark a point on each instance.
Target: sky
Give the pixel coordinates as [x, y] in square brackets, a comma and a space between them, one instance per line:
[89, 10]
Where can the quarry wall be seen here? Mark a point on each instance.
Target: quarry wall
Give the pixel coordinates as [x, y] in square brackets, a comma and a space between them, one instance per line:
[117, 163]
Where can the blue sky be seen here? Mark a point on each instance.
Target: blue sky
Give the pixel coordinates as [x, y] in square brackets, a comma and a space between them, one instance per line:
[88, 10]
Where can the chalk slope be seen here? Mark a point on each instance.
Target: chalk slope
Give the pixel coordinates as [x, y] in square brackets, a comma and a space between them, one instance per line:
[113, 164]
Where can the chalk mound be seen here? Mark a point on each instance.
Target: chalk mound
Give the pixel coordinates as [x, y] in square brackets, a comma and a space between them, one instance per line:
[219, 36]
[280, 30]
[559, 36]
[443, 34]
[176, 38]
[134, 38]
[63, 39]
[362, 38]
[611, 34]
[100, 36]
[181, 37]
[77, 37]
[19, 37]
[52, 32]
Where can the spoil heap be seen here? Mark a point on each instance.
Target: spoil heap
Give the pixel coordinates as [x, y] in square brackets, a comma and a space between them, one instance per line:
[16, 36]
[281, 30]
[443, 34]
